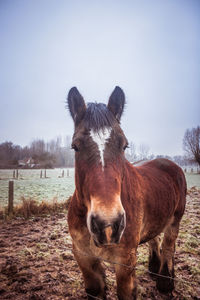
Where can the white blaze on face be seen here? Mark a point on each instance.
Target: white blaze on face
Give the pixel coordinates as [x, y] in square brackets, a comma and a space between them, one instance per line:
[100, 138]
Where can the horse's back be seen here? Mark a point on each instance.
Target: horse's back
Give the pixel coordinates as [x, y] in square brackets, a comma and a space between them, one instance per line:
[162, 168]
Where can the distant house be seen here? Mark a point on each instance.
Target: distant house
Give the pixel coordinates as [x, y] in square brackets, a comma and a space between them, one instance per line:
[26, 162]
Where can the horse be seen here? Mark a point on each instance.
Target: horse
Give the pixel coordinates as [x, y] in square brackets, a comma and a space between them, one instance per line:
[117, 206]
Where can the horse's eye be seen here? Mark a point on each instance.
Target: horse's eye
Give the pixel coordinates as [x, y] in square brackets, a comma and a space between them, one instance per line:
[75, 147]
[126, 146]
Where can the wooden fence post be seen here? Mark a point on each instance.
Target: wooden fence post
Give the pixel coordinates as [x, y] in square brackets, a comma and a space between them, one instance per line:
[41, 174]
[13, 174]
[10, 197]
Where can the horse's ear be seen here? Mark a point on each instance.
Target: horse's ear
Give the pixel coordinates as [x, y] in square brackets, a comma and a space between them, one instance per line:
[116, 102]
[76, 105]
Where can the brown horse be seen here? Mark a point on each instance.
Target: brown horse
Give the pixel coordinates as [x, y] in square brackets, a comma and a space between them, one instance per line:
[117, 206]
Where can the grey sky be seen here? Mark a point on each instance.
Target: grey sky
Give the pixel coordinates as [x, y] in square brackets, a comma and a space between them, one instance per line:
[151, 49]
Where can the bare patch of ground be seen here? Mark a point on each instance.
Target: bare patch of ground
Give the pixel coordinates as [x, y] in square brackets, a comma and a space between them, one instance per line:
[36, 261]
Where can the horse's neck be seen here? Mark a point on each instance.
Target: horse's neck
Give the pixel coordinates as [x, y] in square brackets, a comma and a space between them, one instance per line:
[131, 182]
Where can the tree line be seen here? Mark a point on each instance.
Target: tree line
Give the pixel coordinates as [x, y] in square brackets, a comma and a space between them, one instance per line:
[54, 154]
[51, 154]
[142, 153]
[191, 147]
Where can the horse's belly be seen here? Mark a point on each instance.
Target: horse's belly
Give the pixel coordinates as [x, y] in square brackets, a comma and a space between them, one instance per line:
[151, 230]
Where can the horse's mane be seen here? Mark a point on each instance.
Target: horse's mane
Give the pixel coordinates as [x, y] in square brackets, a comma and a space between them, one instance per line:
[98, 117]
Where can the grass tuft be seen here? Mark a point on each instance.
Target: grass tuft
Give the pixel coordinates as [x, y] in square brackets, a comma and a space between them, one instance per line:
[30, 207]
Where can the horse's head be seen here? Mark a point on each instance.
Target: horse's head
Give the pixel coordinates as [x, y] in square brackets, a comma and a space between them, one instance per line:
[99, 145]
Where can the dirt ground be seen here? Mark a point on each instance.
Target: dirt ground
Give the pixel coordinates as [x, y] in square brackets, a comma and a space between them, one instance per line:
[36, 261]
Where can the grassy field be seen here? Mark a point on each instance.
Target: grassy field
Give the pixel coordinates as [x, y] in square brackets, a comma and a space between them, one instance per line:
[30, 185]
[193, 179]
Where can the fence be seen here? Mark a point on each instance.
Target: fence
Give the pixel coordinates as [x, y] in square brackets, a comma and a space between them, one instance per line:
[41, 174]
[10, 192]
[195, 170]
[10, 197]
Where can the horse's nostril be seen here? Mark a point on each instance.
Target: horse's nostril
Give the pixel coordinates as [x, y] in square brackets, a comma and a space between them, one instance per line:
[96, 225]
[123, 222]
[118, 226]
[119, 223]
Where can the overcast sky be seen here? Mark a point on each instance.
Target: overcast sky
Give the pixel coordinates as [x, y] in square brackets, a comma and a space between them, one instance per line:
[151, 49]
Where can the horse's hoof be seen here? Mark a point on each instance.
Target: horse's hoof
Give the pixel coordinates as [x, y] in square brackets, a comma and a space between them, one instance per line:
[93, 293]
[165, 282]
[165, 285]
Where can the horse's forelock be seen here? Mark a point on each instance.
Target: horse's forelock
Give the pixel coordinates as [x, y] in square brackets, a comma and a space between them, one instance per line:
[98, 117]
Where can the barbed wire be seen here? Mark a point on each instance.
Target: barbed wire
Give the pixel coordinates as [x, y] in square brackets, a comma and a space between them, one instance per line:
[136, 268]
[194, 283]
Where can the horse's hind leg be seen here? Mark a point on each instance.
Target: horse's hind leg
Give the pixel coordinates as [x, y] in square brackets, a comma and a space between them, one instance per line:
[93, 274]
[165, 282]
[154, 256]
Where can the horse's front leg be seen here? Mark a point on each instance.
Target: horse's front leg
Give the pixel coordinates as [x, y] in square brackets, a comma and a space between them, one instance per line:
[125, 276]
[93, 274]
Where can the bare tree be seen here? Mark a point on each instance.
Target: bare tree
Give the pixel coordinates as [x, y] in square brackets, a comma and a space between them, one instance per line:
[37, 147]
[9, 153]
[179, 160]
[68, 152]
[191, 144]
[132, 148]
[130, 152]
[144, 151]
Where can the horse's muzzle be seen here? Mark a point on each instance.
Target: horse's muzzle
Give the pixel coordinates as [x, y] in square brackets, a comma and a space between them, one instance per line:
[107, 233]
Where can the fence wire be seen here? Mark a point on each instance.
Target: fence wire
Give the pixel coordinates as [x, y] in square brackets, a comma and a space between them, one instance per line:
[136, 268]
[194, 283]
